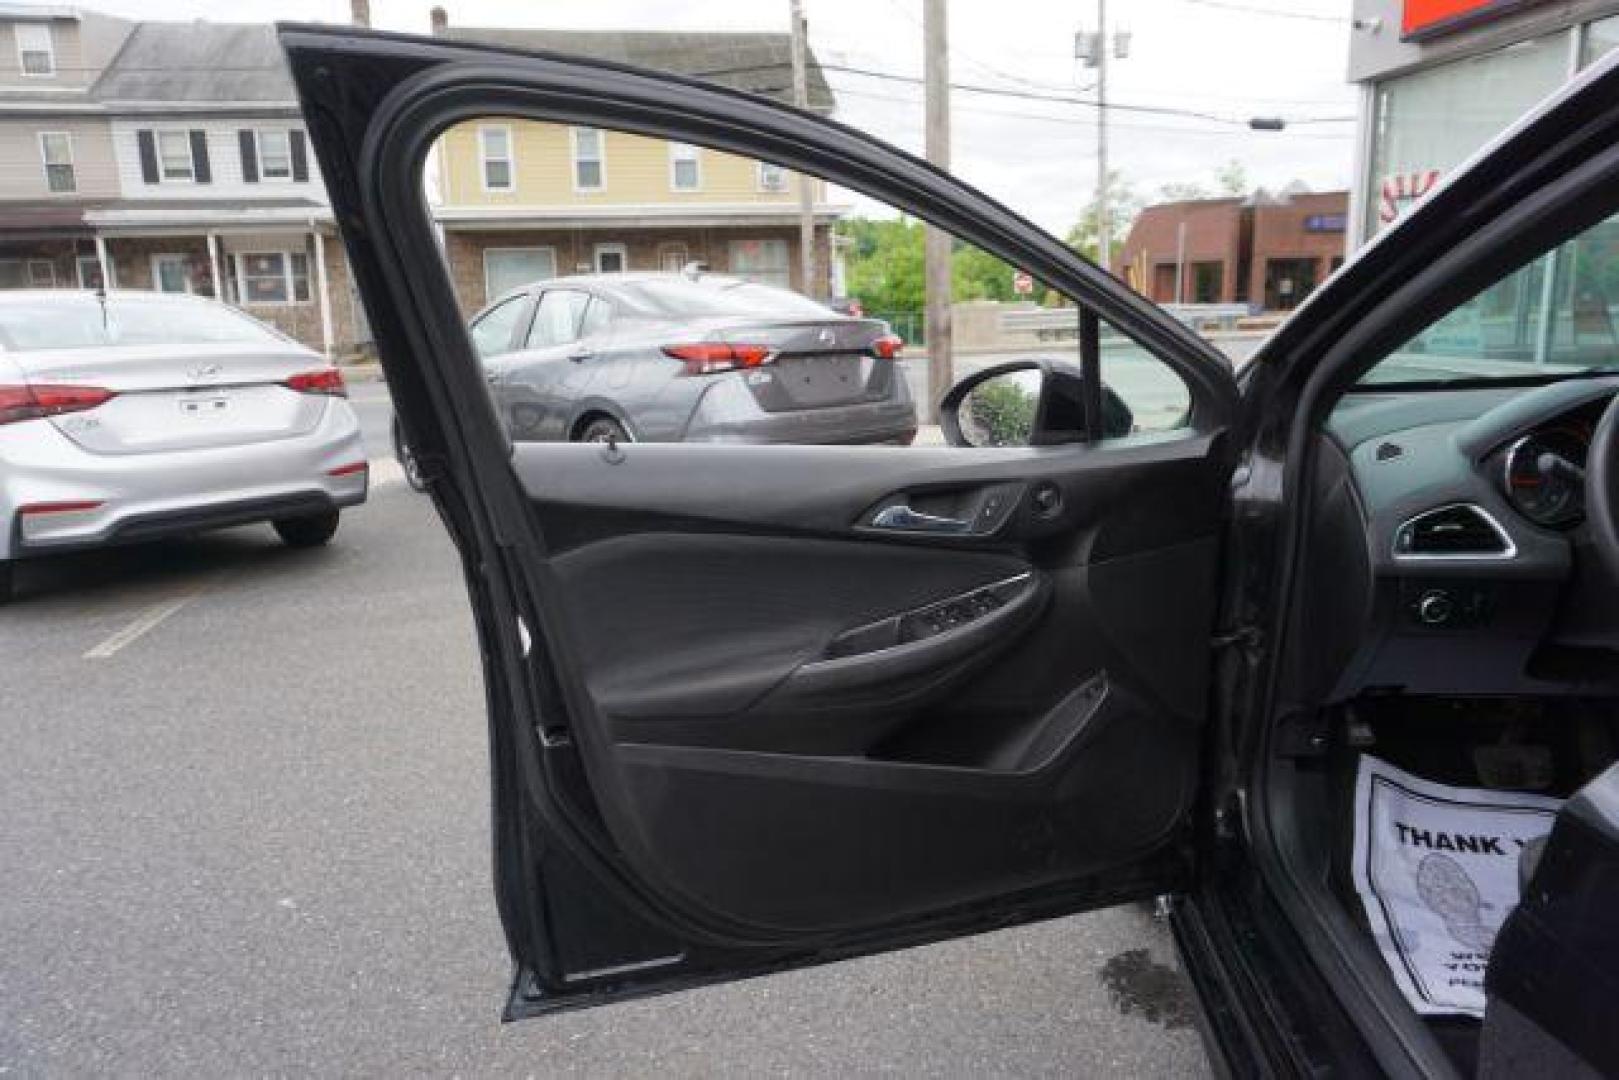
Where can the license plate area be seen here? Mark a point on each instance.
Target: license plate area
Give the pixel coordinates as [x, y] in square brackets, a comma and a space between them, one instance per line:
[214, 403]
[808, 381]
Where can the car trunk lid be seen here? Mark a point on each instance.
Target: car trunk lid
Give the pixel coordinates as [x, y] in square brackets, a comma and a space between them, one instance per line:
[168, 397]
[816, 363]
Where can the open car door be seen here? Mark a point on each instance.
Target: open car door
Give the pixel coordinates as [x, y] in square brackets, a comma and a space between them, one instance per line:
[765, 706]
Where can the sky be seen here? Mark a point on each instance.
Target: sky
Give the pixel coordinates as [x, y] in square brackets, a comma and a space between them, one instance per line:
[1227, 59]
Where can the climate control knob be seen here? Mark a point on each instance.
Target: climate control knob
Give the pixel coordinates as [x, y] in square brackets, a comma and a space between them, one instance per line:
[1436, 607]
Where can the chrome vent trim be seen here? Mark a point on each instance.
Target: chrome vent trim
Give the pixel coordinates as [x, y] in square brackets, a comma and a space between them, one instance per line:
[1405, 536]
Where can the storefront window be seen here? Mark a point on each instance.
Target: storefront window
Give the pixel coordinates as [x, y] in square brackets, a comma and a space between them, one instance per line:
[1430, 121]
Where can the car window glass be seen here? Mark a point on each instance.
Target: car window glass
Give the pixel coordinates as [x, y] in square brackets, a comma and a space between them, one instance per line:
[492, 334]
[597, 317]
[825, 346]
[1553, 316]
[80, 322]
[556, 321]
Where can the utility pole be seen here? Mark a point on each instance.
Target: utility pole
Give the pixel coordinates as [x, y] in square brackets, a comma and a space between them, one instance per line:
[806, 184]
[1093, 49]
[936, 249]
[1104, 216]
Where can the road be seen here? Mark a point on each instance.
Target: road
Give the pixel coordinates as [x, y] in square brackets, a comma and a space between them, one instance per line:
[245, 807]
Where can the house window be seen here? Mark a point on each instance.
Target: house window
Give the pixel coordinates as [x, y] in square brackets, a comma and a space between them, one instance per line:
[612, 258]
[589, 172]
[275, 155]
[495, 150]
[272, 277]
[685, 167]
[505, 269]
[89, 271]
[56, 150]
[672, 258]
[763, 261]
[174, 155]
[772, 177]
[36, 52]
[41, 274]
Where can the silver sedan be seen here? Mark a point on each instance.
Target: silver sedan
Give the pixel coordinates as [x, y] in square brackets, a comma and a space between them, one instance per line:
[128, 415]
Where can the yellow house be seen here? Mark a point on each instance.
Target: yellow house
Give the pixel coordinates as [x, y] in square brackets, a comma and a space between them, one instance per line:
[520, 200]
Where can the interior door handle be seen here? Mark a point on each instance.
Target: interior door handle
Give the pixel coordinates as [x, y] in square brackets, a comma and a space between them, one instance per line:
[901, 517]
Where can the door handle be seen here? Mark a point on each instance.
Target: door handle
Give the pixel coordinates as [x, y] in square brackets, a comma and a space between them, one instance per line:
[579, 354]
[902, 518]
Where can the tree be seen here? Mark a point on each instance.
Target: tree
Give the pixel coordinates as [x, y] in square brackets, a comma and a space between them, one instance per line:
[1123, 205]
[885, 267]
[885, 263]
[1232, 178]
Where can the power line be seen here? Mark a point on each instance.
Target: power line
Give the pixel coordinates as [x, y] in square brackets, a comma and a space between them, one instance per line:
[1023, 95]
[1079, 122]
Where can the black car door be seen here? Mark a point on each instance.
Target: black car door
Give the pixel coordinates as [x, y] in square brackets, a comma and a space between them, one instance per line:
[752, 708]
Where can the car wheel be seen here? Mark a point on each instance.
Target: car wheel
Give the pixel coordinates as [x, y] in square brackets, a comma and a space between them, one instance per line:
[8, 580]
[407, 461]
[603, 429]
[307, 530]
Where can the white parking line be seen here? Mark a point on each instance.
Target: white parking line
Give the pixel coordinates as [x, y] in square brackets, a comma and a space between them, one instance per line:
[385, 471]
[148, 620]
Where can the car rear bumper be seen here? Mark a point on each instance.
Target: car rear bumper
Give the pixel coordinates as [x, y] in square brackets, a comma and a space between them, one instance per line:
[56, 496]
[869, 422]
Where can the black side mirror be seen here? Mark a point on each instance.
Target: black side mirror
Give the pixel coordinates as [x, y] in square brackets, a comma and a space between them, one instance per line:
[1026, 403]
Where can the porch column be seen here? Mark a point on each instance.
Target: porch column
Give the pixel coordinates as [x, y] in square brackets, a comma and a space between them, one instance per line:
[213, 265]
[103, 262]
[325, 294]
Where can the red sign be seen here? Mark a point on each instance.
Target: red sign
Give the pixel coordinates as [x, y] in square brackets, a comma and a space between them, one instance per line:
[1429, 18]
[1022, 283]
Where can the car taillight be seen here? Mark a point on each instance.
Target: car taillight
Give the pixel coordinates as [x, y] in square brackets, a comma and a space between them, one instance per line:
[319, 381]
[887, 347]
[713, 357]
[31, 402]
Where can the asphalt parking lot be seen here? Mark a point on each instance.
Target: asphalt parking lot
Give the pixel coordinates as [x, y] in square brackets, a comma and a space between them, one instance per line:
[244, 804]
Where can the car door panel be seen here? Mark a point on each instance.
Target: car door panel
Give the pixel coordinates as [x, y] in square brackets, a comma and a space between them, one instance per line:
[740, 720]
[745, 653]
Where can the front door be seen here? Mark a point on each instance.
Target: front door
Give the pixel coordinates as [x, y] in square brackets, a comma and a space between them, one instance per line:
[760, 706]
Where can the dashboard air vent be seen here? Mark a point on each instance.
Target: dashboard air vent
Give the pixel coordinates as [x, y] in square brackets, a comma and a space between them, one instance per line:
[1462, 531]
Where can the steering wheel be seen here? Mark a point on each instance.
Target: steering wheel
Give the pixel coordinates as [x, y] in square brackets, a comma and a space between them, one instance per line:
[1602, 486]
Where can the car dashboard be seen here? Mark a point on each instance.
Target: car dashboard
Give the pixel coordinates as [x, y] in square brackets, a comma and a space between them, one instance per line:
[1476, 575]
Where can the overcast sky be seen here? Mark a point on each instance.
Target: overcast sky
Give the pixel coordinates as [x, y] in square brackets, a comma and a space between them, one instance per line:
[1233, 59]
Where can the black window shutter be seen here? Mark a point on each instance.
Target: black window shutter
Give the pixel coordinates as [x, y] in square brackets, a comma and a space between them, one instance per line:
[148, 145]
[250, 156]
[199, 156]
[300, 156]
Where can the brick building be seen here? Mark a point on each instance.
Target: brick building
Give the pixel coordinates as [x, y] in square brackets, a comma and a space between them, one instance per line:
[1267, 251]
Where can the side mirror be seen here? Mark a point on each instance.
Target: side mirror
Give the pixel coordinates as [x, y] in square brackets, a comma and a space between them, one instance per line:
[1026, 403]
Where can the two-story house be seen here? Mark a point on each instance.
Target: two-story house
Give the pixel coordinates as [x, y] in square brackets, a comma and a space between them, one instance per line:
[218, 191]
[168, 156]
[519, 201]
[56, 156]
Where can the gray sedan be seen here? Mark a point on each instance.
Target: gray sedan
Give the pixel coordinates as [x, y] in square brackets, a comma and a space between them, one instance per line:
[689, 358]
[132, 415]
